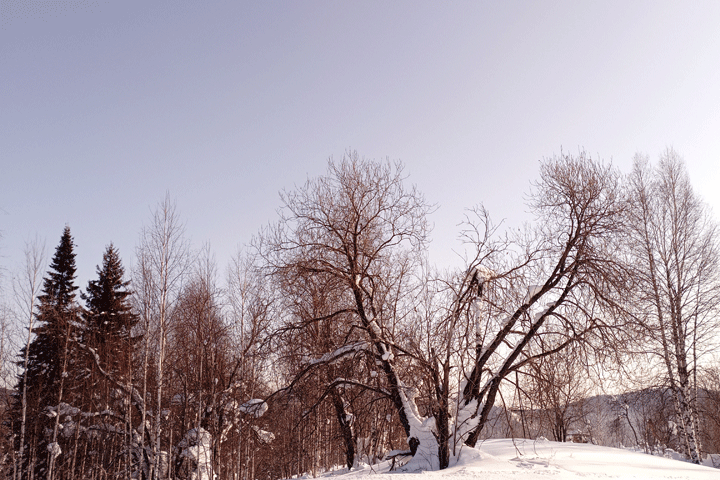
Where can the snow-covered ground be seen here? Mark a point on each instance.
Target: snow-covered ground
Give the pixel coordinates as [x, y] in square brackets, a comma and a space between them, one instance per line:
[542, 459]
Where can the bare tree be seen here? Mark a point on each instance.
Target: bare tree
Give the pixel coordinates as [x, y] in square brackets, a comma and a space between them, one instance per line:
[214, 379]
[199, 353]
[558, 386]
[26, 287]
[523, 297]
[163, 261]
[674, 245]
[360, 227]
[314, 327]
[7, 372]
[538, 291]
[251, 308]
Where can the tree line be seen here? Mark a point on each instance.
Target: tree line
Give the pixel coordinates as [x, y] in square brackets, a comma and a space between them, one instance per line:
[333, 341]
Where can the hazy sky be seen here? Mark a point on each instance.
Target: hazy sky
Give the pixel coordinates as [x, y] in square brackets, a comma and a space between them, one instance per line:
[107, 105]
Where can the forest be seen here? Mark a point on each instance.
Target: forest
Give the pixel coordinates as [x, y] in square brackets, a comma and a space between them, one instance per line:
[330, 340]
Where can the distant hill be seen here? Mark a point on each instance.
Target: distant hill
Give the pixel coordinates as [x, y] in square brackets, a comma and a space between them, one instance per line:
[641, 418]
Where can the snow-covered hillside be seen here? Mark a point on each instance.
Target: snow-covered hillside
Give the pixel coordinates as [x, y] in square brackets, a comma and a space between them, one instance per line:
[542, 459]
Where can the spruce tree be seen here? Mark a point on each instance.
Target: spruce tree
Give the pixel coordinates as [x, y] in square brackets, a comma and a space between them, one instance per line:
[109, 319]
[47, 378]
[108, 332]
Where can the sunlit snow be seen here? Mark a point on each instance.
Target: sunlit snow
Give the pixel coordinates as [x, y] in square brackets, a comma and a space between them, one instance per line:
[542, 459]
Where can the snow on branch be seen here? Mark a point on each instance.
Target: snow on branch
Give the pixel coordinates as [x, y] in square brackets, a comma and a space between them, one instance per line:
[532, 291]
[62, 409]
[482, 273]
[339, 353]
[263, 435]
[255, 407]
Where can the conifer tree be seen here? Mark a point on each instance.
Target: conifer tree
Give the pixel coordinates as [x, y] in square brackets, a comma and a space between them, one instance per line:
[108, 328]
[108, 317]
[46, 379]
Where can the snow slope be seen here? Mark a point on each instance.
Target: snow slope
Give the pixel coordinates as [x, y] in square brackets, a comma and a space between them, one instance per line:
[542, 459]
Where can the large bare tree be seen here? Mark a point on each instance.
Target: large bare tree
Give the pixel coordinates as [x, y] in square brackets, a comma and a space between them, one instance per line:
[359, 229]
[524, 295]
[536, 292]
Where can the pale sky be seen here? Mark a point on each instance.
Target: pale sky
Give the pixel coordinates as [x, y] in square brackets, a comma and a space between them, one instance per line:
[107, 105]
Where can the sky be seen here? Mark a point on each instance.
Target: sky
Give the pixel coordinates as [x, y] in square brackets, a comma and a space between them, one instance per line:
[107, 106]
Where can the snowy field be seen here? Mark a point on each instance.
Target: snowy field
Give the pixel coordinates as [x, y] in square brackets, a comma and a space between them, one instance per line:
[543, 459]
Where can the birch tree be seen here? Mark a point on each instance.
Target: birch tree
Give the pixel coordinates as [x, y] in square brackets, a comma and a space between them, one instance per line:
[674, 245]
[163, 261]
[26, 287]
[251, 309]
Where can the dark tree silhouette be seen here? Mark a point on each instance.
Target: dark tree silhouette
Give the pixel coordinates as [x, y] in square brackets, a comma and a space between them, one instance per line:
[109, 319]
[50, 358]
[108, 324]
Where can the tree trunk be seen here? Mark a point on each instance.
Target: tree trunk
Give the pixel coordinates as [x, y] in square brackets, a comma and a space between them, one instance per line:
[346, 429]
